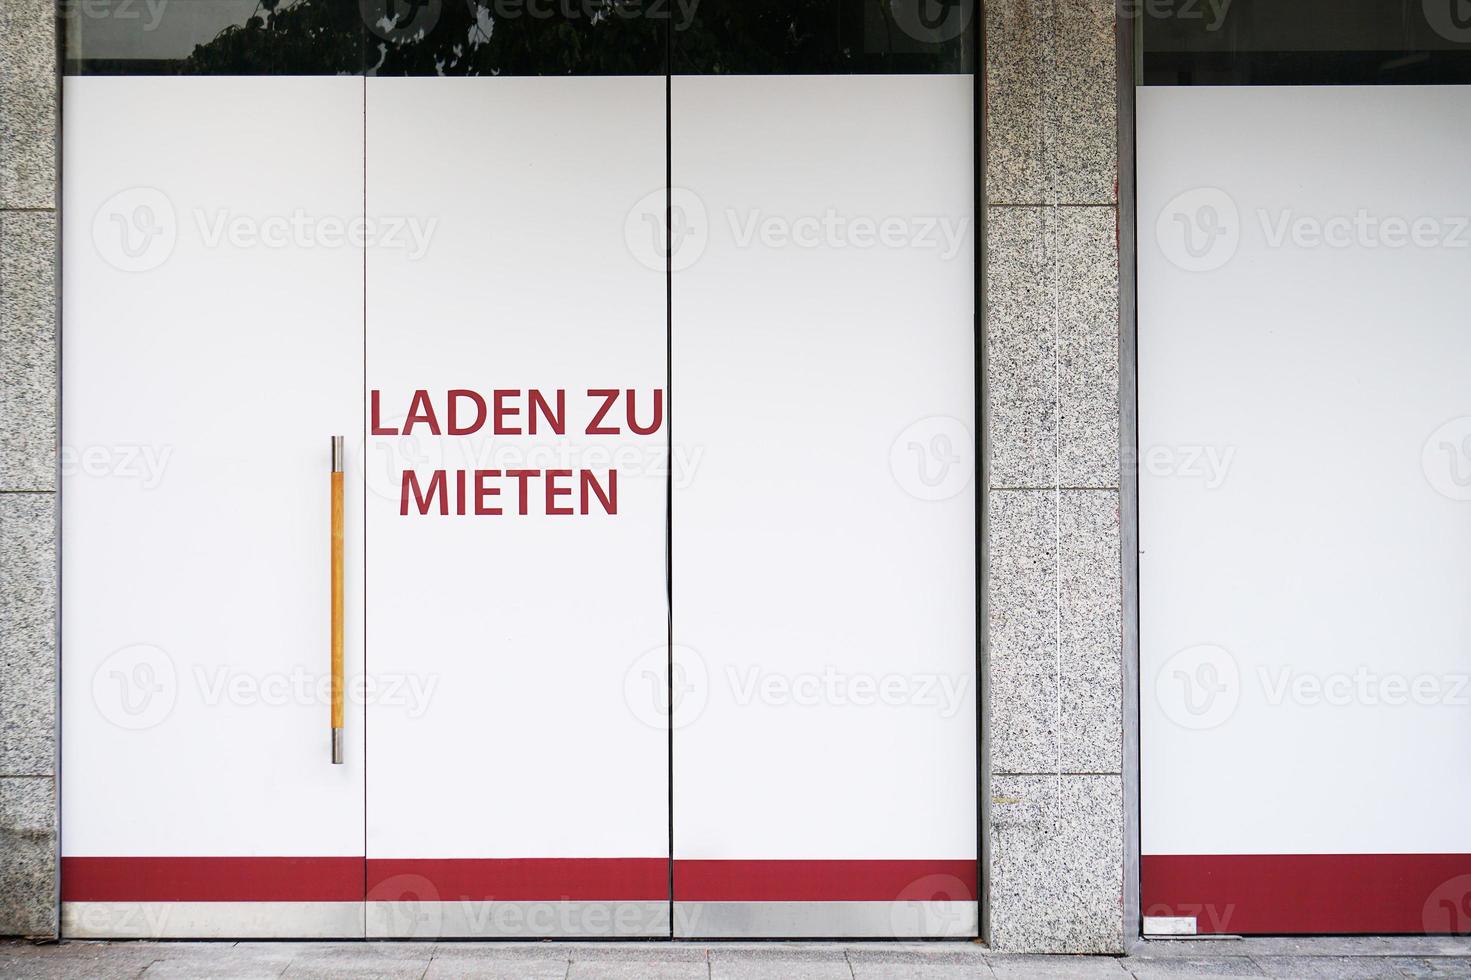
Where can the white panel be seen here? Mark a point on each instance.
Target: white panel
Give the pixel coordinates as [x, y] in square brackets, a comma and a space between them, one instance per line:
[824, 560]
[202, 379]
[526, 626]
[1304, 524]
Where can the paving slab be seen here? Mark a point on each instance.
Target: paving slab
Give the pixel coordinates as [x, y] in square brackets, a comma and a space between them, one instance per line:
[1430, 967]
[766, 967]
[526, 965]
[648, 969]
[1193, 966]
[936, 953]
[878, 970]
[1328, 967]
[1023, 967]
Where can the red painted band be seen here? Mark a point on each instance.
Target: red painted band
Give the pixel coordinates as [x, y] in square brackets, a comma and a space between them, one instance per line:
[518, 879]
[301, 879]
[1311, 894]
[825, 881]
[211, 879]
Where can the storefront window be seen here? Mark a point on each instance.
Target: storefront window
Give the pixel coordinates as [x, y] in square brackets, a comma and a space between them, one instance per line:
[1304, 42]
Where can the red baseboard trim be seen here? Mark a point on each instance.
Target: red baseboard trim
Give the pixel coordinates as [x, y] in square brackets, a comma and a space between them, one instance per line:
[518, 879]
[825, 881]
[211, 879]
[312, 879]
[1311, 894]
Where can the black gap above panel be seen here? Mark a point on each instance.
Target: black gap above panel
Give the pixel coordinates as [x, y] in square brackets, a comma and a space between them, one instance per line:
[1304, 42]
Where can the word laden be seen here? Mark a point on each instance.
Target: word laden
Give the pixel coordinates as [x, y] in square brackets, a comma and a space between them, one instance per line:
[513, 412]
[505, 408]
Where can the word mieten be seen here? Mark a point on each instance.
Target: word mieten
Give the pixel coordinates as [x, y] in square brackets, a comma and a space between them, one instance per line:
[476, 492]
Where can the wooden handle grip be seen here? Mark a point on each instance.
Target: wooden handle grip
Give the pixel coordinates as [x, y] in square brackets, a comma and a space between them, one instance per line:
[337, 595]
[338, 590]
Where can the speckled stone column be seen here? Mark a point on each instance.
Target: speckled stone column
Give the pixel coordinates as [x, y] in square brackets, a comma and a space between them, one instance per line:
[28, 397]
[1054, 596]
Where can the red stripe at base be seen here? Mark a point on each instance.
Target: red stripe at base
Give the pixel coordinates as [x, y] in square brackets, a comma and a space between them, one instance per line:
[825, 881]
[518, 879]
[1311, 894]
[211, 879]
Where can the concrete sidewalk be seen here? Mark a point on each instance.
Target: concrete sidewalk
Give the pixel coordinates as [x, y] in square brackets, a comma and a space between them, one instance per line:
[1329, 958]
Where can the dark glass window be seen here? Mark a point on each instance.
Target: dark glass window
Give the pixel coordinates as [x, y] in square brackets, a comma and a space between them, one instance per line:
[212, 37]
[374, 37]
[1303, 42]
[518, 37]
[790, 37]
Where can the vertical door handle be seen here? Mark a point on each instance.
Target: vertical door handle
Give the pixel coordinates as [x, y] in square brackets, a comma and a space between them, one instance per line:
[337, 596]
